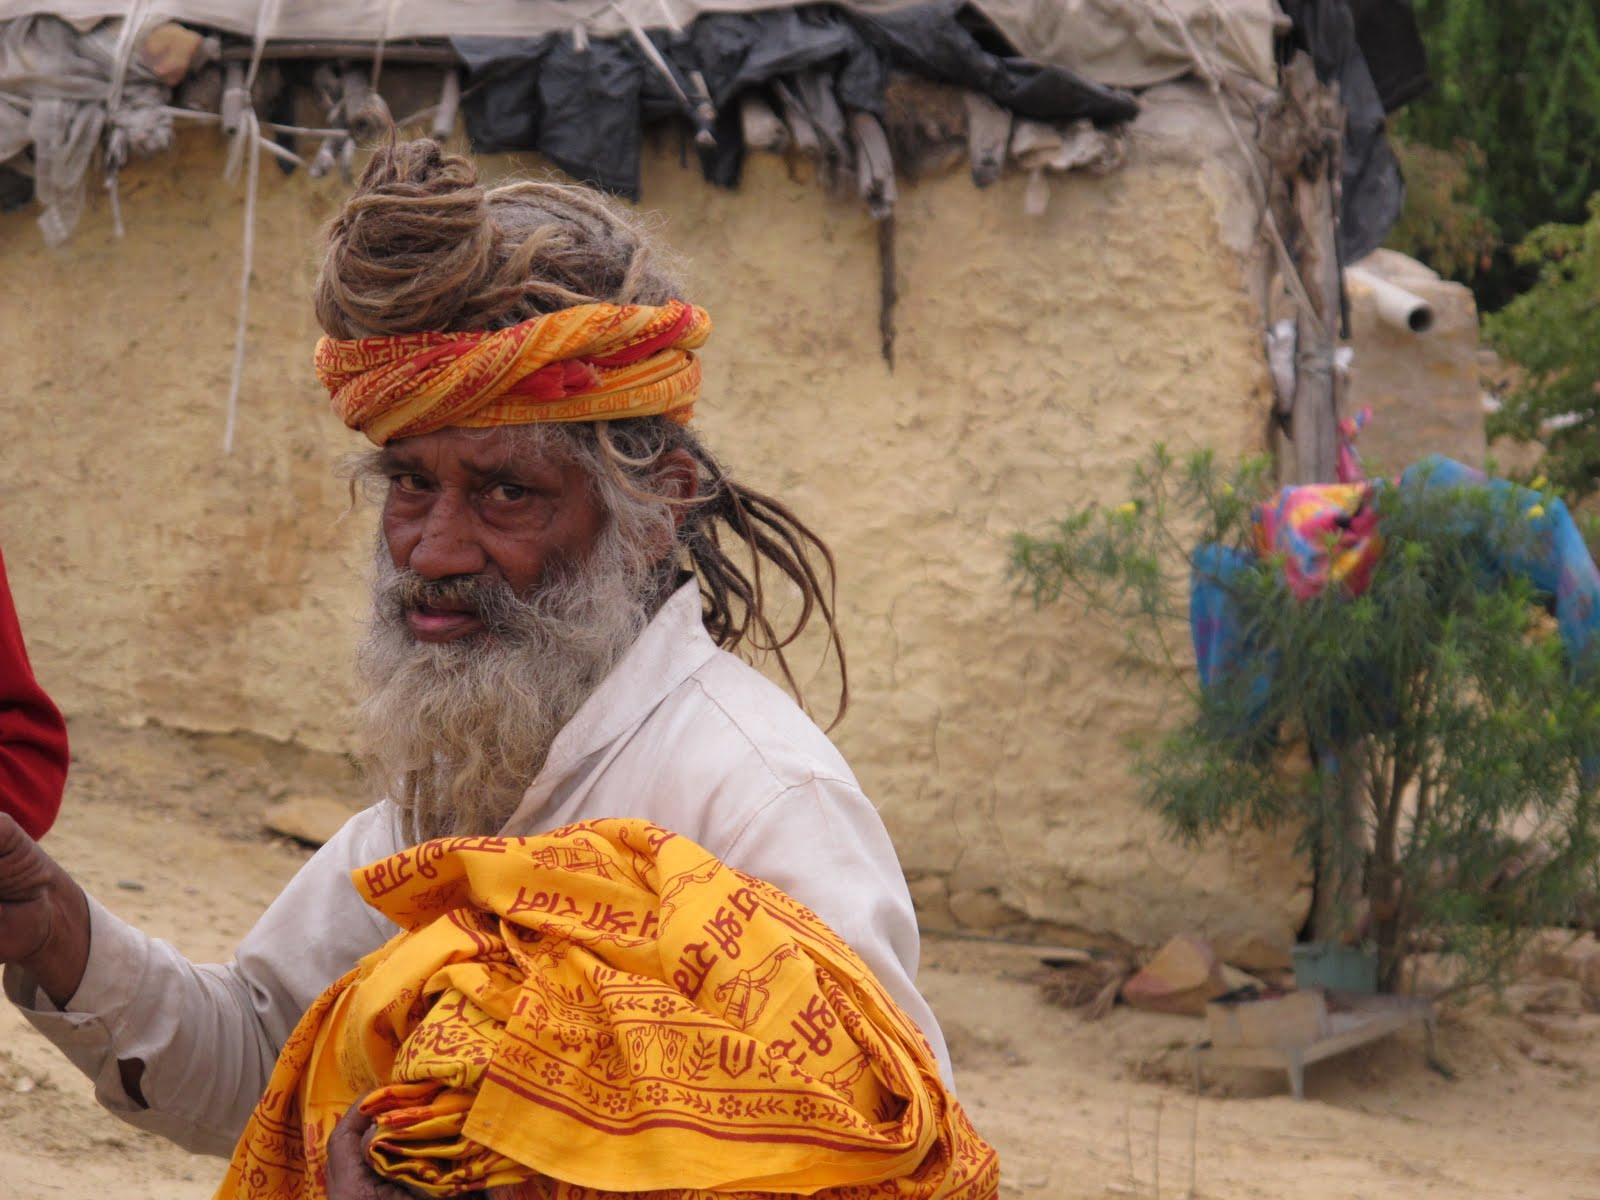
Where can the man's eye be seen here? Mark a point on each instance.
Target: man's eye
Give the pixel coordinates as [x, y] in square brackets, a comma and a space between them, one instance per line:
[406, 482]
[507, 493]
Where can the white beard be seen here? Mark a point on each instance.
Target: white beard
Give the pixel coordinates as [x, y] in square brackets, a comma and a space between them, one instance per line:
[454, 732]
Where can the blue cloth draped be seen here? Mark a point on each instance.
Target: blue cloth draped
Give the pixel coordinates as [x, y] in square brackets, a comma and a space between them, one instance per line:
[1554, 559]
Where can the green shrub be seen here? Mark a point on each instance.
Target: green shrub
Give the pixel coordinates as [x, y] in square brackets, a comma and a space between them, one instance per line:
[1552, 333]
[1448, 791]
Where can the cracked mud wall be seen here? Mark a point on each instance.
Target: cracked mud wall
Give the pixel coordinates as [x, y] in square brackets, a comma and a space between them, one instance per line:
[161, 581]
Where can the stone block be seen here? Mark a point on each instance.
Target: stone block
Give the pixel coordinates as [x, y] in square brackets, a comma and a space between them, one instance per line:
[982, 908]
[310, 819]
[1254, 949]
[1182, 976]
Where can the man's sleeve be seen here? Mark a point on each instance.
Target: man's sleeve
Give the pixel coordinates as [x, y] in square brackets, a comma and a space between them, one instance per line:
[824, 844]
[209, 1035]
[33, 737]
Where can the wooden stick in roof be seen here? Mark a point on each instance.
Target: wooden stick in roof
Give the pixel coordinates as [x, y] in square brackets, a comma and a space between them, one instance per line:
[701, 112]
[444, 117]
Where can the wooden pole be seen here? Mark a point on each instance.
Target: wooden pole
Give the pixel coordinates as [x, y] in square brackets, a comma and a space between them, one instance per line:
[1303, 140]
[439, 54]
[1314, 421]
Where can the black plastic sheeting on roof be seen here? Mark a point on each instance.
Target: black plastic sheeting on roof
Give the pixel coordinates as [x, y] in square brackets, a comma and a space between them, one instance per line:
[738, 52]
[579, 108]
[1387, 33]
[930, 40]
[582, 106]
[1373, 50]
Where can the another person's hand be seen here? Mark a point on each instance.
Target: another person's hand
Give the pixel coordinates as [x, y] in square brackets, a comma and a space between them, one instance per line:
[44, 915]
[350, 1177]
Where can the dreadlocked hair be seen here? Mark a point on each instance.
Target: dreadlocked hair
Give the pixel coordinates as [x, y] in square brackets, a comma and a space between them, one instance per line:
[736, 604]
[422, 245]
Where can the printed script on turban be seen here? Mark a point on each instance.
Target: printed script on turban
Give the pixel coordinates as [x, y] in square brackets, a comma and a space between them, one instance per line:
[609, 1009]
[593, 362]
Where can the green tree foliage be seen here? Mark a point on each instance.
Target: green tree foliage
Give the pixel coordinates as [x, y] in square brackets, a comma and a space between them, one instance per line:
[1552, 332]
[1449, 785]
[1441, 225]
[1520, 80]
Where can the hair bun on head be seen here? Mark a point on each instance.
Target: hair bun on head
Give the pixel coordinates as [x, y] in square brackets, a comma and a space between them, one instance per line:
[420, 246]
[411, 248]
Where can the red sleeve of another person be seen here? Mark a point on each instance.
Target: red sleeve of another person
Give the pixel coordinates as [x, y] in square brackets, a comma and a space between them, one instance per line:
[33, 737]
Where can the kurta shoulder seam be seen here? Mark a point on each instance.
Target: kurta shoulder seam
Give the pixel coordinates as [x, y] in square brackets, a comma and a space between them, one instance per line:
[768, 805]
[778, 778]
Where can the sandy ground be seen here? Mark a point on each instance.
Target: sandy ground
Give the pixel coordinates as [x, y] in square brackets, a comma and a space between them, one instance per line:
[164, 828]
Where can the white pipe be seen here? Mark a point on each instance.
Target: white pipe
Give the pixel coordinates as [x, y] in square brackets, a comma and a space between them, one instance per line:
[1397, 307]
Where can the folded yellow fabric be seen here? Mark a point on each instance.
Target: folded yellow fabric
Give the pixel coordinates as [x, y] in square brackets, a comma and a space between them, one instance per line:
[609, 1009]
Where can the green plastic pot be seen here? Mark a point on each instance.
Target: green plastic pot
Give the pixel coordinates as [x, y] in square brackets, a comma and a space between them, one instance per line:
[1335, 968]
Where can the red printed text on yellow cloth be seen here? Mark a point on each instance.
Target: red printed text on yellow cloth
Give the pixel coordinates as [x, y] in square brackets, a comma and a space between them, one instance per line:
[604, 1010]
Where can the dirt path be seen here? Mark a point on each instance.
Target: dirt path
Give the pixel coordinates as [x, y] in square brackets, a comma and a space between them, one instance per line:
[163, 828]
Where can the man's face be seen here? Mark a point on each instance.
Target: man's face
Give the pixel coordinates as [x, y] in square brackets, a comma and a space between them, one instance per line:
[474, 503]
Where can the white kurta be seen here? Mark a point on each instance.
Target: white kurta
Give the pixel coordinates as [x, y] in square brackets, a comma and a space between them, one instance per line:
[680, 733]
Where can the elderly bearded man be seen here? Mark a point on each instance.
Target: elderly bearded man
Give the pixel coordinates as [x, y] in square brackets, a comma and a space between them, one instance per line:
[554, 611]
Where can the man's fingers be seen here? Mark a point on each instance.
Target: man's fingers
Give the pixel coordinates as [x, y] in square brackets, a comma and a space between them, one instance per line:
[25, 875]
[44, 915]
[24, 868]
[354, 1123]
[349, 1176]
[368, 1135]
[14, 841]
[344, 1143]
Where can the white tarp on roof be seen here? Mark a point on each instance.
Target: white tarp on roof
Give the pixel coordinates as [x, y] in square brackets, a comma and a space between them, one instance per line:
[1137, 43]
[1123, 43]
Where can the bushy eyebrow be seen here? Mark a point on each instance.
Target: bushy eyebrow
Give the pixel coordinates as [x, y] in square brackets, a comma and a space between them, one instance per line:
[389, 459]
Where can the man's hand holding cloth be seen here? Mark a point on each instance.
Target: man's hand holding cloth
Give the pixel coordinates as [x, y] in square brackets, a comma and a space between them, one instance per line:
[608, 1008]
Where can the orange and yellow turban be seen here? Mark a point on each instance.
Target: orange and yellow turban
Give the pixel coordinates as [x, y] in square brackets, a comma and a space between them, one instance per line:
[593, 362]
[607, 1011]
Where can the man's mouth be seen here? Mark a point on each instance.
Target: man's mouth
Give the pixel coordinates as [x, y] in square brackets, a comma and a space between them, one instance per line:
[430, 623]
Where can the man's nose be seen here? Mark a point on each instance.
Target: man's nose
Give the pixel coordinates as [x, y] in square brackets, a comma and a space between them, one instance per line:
[449, 543]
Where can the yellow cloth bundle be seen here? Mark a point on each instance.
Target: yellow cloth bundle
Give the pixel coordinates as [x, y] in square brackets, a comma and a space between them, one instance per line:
[609, 1009]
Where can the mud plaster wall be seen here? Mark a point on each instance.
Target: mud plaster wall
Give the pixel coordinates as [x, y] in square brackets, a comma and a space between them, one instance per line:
[159, 580]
